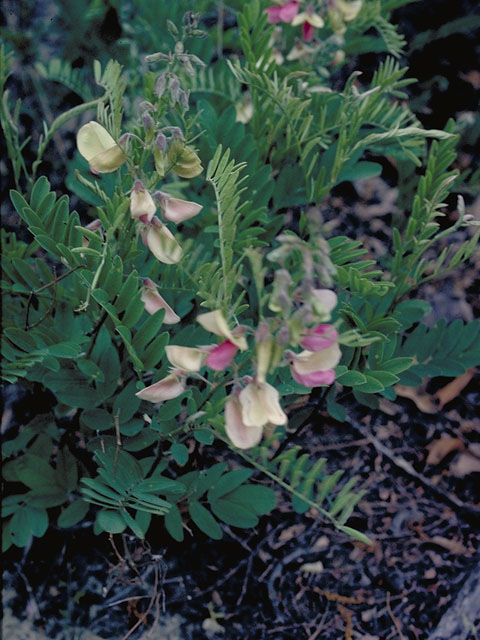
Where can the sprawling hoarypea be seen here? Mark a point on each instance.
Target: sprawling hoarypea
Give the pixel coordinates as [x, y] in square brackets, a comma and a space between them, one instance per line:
[98, 148]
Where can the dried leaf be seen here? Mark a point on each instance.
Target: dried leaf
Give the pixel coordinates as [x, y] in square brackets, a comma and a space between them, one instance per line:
[454, 546]
[424, 401]
[464, 464]
[439, 449]
[312, 567]
[453, 389]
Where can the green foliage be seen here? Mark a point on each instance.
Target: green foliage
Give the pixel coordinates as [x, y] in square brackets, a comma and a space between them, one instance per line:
[75, 319]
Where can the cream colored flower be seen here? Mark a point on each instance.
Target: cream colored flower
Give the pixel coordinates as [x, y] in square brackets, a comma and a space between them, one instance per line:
[214, 322]
[98, 148]
[170, 387]
[310, 361]
[187, 359]
[260, 403]
[153, 302]
[240, 435]
[142, 205]
[159, 239]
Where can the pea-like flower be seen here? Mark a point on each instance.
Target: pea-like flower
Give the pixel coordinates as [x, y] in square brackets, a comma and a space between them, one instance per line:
[239, 434]
[309, 21]
[284, 13]
[167, 388]
[142, 205]
[314, 368]
[99, 149]
[221, 355]
[260, 405]
[175, 209]
[185, 360]
[153, 302]
[159, 239]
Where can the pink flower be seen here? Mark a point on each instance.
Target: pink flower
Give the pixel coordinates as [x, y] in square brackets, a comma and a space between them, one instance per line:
[315, 379]
[316, 368]
[284, 13]
[308, 31]
[175, 209]
[322, 337]
[240, 435]
[221, 355]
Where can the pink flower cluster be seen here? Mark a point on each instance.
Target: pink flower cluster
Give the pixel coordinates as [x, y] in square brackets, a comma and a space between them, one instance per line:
[289, 13]
[253, 403]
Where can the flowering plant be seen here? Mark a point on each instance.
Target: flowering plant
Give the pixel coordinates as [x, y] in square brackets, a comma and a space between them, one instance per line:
[211, 224]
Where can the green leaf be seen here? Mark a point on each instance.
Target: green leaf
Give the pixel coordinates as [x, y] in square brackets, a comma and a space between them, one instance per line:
[35, 472]
[353, 533]
[256, 497]
[385, 378]
[111, 521]
[21, 527]
[204, 520]
[97, 419]
[173, 523]
[372, 385]
[179, 453]
[228, 483]
[46, 497]
[234, 514]
[203, 436]
[38, 521]
[74, 513]
[351, 378]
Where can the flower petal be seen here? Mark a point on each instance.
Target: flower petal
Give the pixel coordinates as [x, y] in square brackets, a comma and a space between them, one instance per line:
[288, 11]
[315, 379]
[142, 205]
[163, 245]
[309, 361]
[221, 356]
[260, 405]
[214, 322]
[322, 337]
[153, 302]
[241, 436]
[165, 389]
[187, 359]
[98, 148]
[177, 210]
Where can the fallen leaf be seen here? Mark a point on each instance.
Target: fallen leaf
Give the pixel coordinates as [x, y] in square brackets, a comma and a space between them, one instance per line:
[453, 389]
[291, 532]
[424, 401]
[464, 464]
[312, 567]
[440, 448]
[454, 546]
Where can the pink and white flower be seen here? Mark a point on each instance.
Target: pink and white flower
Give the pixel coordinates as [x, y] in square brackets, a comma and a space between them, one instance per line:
[284, 13]
[175, 209]
[153, 302]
